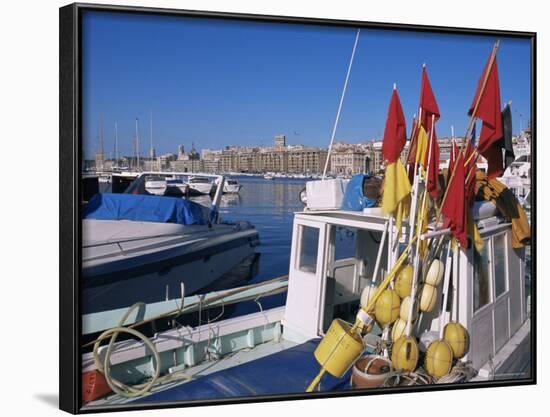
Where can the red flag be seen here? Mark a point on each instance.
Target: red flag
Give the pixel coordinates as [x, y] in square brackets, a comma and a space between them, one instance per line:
[427, 102]
[488, 109]
[430, 108]
[395, 133]
[454, 207]
[433, 169]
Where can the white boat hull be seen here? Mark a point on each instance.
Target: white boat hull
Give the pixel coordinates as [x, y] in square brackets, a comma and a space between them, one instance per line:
[200, 188]
[120, 272]
[232, 189]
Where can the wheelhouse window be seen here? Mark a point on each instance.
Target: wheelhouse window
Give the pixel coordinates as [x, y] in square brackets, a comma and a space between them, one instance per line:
[500, 261]
[309, 248]
[482, 293]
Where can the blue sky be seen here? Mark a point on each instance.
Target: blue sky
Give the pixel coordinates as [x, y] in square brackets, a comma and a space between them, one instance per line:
[225, 82]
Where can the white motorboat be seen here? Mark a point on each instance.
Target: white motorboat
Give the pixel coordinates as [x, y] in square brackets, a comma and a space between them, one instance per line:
[155, 185]
[269, 176]
[144, 248]
[232, 186]
[200, 185]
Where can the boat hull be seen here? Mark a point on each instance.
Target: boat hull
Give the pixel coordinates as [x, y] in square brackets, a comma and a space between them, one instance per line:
[157, 274]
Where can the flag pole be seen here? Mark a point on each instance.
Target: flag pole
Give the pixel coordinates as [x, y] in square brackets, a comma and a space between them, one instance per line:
[470, 125]
[340, 104]
[418, 234]
[416, 180]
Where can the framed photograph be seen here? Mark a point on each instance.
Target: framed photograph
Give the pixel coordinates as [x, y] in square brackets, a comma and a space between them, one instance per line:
[261, 208]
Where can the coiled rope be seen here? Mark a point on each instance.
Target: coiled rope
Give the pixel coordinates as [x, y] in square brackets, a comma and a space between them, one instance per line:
[124, 390]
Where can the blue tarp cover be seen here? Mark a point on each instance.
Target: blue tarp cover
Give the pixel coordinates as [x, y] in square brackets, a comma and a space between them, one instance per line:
[286, 372]
[354, 199]
[145, 208]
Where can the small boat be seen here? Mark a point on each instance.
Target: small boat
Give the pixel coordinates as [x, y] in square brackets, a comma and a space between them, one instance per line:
[176, 187]
[268, 176]
[200, 185]
[155, 185]
[232, 186]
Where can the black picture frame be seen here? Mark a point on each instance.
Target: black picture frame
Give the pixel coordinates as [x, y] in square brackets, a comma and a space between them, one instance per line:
[70, 156]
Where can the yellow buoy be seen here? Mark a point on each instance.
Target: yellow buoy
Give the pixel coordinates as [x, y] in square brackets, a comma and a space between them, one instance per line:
[366, 295]
[456, 335]
[428, 297]
[386, 308]
[404, 309]
[439, 358]
[398, 329]
[404, 355]
[435, 273]
[403, 281]
[339, 349]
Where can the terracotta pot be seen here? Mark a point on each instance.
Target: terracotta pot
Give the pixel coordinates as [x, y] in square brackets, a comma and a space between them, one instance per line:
[370, 371]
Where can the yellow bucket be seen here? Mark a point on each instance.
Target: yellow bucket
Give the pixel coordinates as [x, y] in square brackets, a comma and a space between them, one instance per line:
[339, 349]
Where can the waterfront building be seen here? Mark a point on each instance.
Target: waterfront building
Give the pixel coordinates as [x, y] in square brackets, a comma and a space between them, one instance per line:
[303, 159]
[349, 159]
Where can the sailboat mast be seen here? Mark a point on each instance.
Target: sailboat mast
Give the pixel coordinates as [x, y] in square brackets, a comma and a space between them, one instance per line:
[151, 151]
[116, 145]
[137, 145]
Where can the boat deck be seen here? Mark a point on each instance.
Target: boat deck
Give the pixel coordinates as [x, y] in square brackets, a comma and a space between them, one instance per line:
[285, 372]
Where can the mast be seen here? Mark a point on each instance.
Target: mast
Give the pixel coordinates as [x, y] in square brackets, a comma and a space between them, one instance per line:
[151, 151]
[101, 143]
[116, 145]
[137, 146]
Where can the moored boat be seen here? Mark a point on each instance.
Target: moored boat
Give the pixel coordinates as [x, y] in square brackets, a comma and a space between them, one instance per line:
[200, 185]
[232, 186]
[144, 247]
[155, 185]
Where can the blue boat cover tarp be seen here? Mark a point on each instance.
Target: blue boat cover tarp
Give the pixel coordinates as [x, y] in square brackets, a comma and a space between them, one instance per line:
[145, 208]
[354, 199]
[286, 372]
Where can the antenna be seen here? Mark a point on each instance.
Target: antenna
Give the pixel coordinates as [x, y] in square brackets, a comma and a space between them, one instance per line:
[341, 103]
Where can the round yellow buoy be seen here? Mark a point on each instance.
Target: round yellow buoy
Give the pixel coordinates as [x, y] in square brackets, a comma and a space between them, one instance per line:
[404, 355]
[403, 281]
[386, 308]
[456, 335]
[428, 297]
[435, 273]
[366, 295]
[404, 309]
[439, 358]
[398, 329]
[339, 349]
